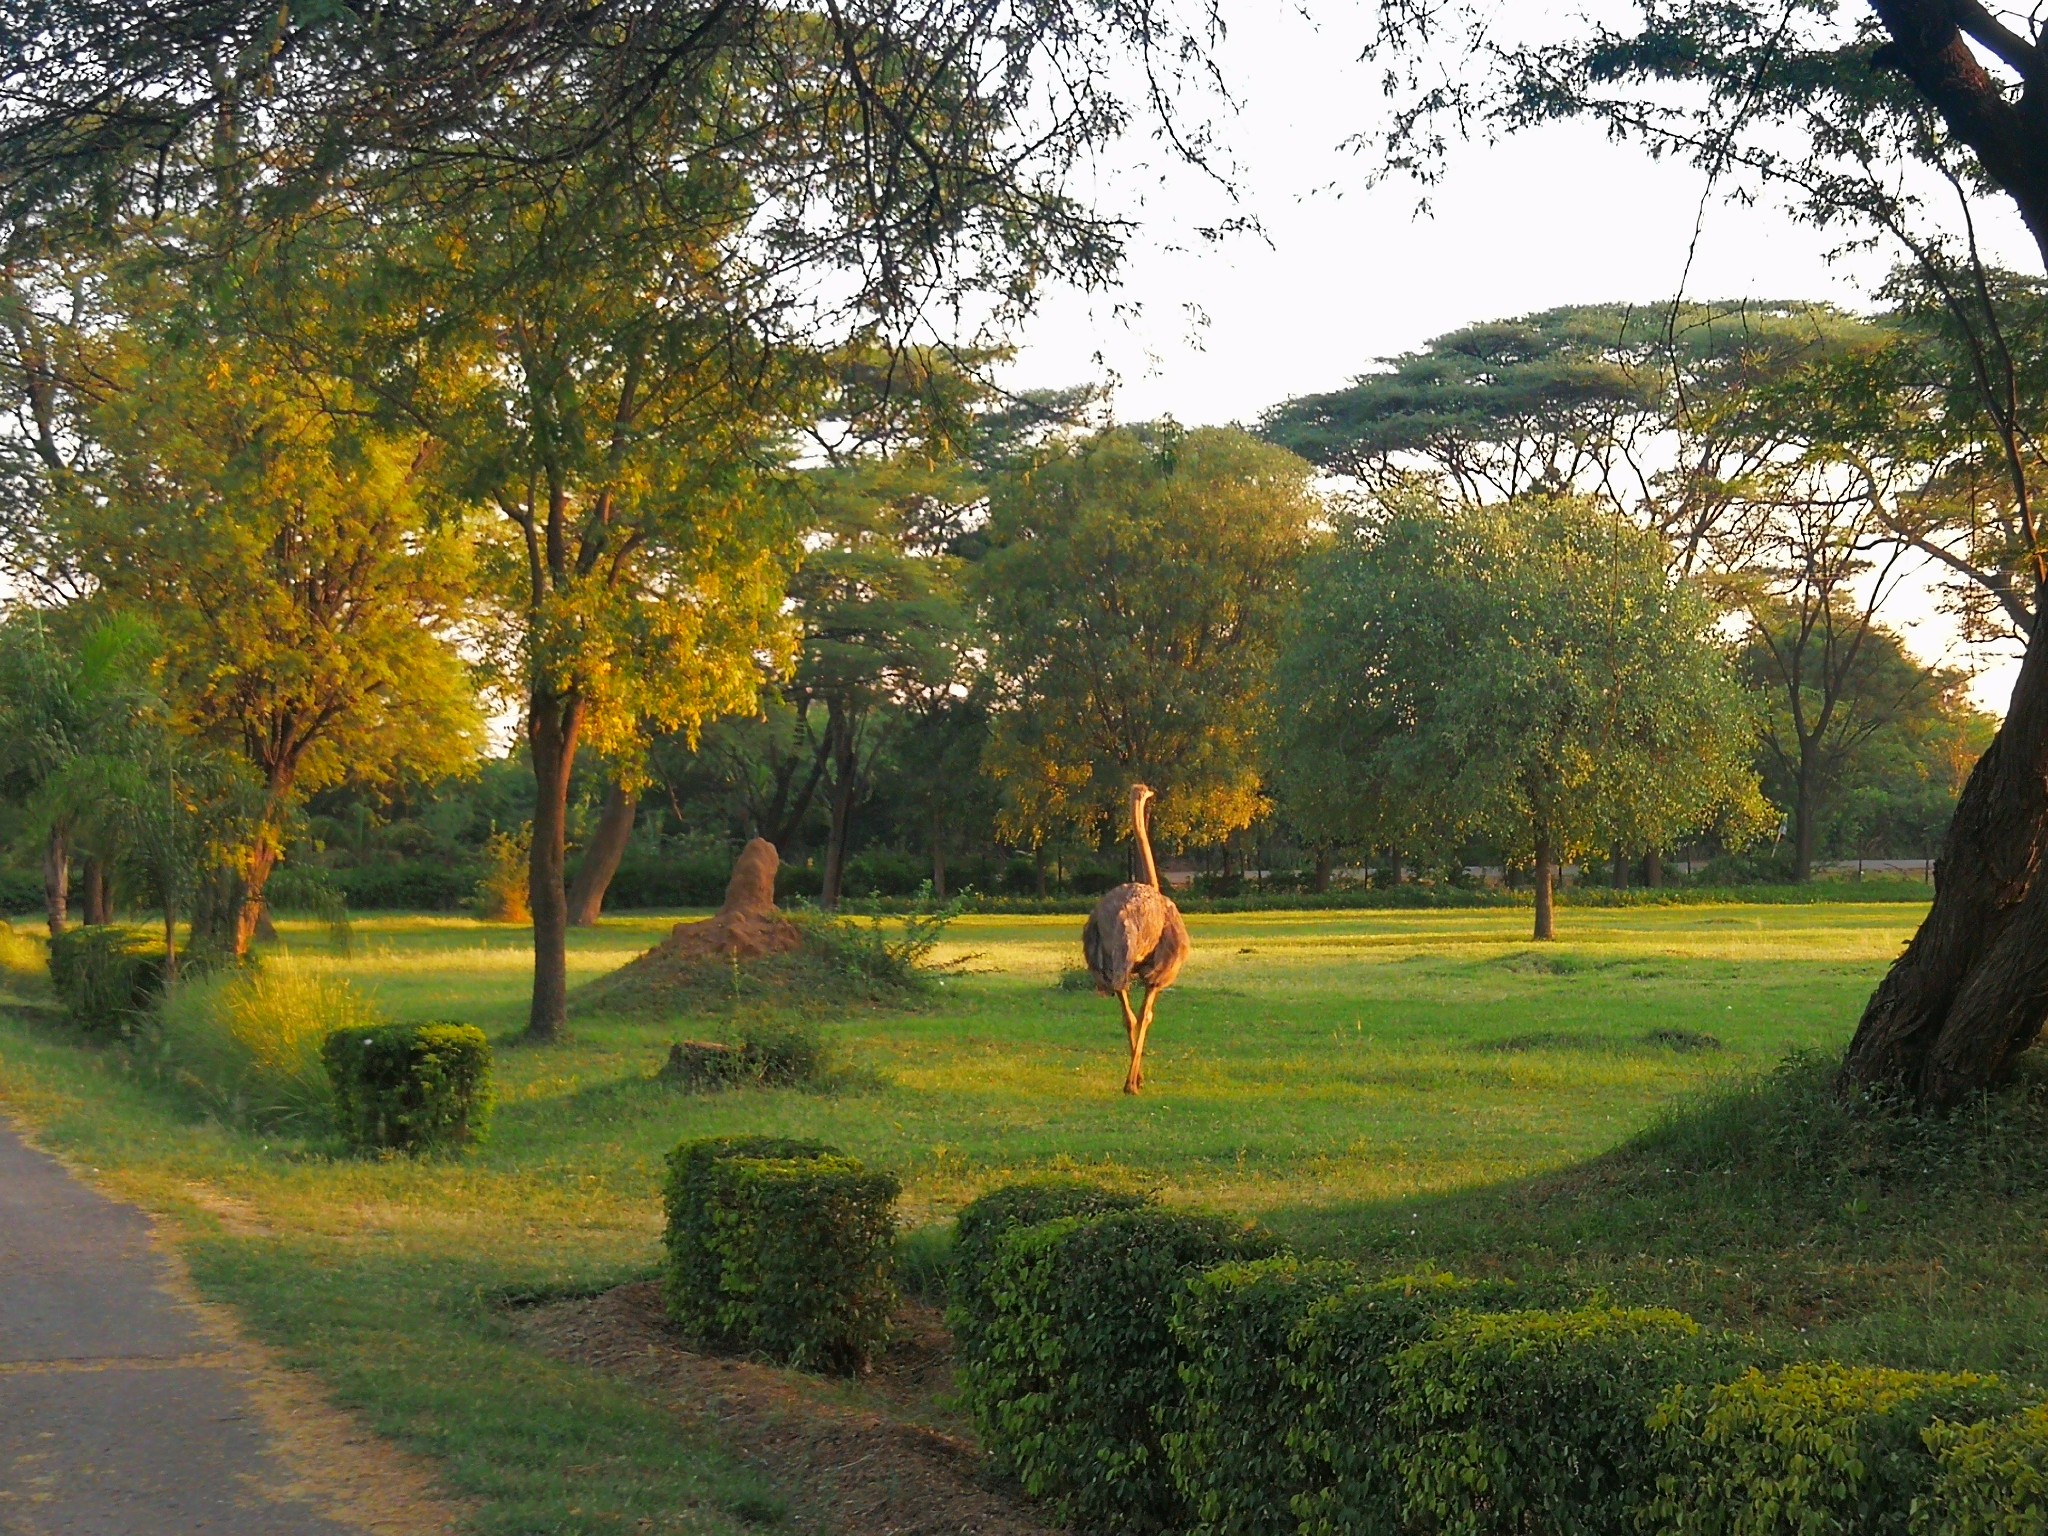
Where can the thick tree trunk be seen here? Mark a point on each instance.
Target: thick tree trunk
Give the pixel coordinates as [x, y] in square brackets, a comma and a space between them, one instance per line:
[1320, 881]
[1546, 881]
[552, 724]
[1805, 791]
[1653, 869]
[601, 858]
[98, 898]
[251, 915]
[57, 881]
[1971, 990]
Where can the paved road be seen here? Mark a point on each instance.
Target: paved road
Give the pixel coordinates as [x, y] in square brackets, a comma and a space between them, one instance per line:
[120, 1415]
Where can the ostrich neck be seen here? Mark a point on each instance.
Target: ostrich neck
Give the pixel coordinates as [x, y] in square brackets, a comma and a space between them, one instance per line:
[1144, 844]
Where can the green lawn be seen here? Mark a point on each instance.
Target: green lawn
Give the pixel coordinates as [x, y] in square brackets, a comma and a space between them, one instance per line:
[1398, 1085]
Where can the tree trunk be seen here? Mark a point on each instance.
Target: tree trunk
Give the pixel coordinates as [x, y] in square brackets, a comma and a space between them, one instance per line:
[1546, 880]
[1617, 868]
[1971, 990]
[845, 766]
[1805, 791]
[250, 914]
[99, 901]
[1320, 881]
[938, 857]
[601, 858]
[1653, 868]
[1038, 870]
[551, 728]
[57, 880]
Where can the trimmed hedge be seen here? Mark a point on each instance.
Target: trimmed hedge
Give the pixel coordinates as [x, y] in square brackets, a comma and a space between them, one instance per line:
[1540, 1421]
[1813, 1448]
[410, 1087]
[783, 1247]
[1234, 1326]
[1079, 1372]
[1992, 1478]
[983, 1223]
[107, 977]
[1337, 1371]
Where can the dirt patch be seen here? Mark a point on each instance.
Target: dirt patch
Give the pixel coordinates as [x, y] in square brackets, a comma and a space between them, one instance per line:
[853, 1460]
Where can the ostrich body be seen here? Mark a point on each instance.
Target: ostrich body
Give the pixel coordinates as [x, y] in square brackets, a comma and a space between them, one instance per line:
[1136, 934]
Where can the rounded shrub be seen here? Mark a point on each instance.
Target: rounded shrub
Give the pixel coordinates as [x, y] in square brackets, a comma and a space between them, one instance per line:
[1513, 1422]
[982, 1224]
[781, 1247]
[1234, 1326]
[108, 978]
[1815, 1447]
[1079, 1373]
[410, 1087]
[1991, 1478]
[1341, 1444]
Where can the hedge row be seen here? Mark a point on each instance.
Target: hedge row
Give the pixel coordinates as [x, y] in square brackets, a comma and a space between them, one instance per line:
[1151, 1372]
[410, 1087]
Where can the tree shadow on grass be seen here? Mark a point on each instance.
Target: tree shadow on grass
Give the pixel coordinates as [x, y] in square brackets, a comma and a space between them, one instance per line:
[1771, 1205]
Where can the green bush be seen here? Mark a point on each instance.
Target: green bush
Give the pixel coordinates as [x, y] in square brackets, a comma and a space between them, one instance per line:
[1540, 1421]
[247, 1044]
[1079, 1375]
[1813, 1448]
[1991, 1478]
[789, 1253]
[782, 1055]
[410, 1087]
[981, 1226]
[107, 977]
[1337, 1372]
[689, 1278]
[1234, 1327]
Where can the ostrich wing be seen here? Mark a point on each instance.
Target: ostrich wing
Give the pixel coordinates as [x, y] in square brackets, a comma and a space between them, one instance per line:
[1123, 931]
[1160, 968]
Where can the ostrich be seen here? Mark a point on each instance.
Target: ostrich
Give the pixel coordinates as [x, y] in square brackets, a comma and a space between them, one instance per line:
[1136, 934]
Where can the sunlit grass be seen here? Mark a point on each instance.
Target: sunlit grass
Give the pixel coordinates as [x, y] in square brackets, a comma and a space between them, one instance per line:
[1399, 1085]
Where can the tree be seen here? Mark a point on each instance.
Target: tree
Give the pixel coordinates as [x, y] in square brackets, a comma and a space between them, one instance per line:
[291, 560]
[1525, 672]
[1826, 103]
[68, 707]
[1133, 591]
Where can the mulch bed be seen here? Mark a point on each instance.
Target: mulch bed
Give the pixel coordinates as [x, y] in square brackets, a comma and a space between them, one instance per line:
[850, 1459]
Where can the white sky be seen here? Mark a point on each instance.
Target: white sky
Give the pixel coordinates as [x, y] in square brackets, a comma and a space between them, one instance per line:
[1346, 274]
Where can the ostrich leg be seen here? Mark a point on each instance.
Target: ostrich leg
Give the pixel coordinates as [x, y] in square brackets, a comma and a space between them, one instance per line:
[1137, 1078]
[1130, 1034]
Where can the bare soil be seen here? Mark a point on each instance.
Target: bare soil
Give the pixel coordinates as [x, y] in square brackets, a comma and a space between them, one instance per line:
[883, 1456]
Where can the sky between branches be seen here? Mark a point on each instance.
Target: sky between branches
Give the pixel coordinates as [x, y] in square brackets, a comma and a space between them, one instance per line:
[1210, 331]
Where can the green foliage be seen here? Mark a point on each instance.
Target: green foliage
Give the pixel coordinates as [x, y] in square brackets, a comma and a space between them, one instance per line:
[247, 1042]
[782, 1247]
[1135, 586]
[894, 956]
[1080, 1374]
[107, 978]
[501, 890]
[980, 1228]
[1518, 1421]
[410, 1087]
[1525, 674]
[1233, 1458]
[1811, 1450]
[1992, 1478]
[1337, 1371]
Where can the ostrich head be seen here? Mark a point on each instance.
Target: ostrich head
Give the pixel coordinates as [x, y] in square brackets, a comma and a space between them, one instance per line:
[1140, 793]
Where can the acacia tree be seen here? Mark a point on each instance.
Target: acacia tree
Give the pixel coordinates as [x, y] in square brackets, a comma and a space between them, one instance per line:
[290, 560]
[1826, 103]
[1132, 592]
[1524, 672]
